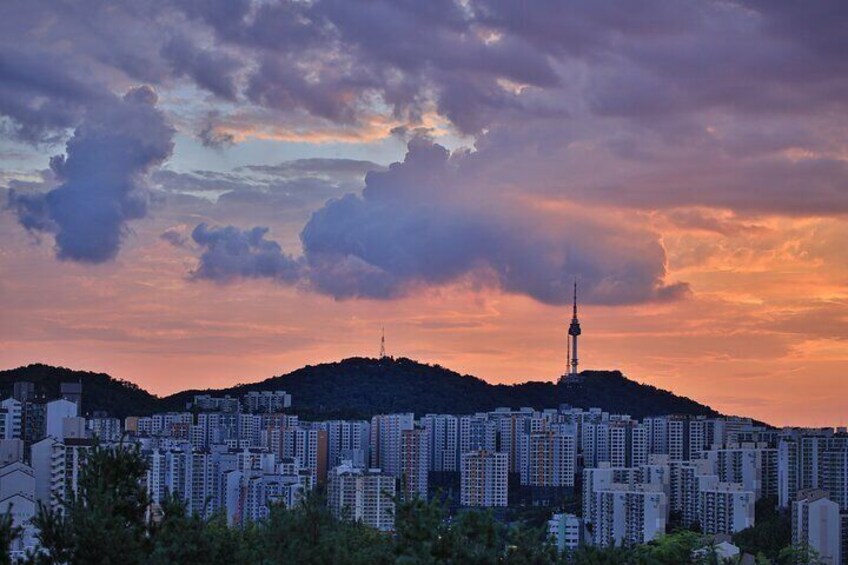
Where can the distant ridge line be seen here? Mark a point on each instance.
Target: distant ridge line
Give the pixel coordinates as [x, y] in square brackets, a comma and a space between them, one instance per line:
[360, 387]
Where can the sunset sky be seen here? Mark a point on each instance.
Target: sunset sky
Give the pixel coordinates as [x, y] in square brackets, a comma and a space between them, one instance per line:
[198, 193]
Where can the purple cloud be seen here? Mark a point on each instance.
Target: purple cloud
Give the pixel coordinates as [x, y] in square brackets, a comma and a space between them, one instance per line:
[422, 223]
[102, 177]
[230, 253]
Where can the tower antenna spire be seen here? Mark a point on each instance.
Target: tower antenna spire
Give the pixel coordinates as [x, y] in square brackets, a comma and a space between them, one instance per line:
[575, 299]
[573, 332]
[383, 343]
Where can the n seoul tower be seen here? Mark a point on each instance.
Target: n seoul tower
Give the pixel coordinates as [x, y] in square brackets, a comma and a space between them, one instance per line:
[573, 332]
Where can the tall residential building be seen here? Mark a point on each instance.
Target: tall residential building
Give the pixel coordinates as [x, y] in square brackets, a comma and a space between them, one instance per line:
[386, 434]
[34, 422]
[548, 459]
[512, 426]
[834, 477]
[186, 473]
[628, 514]
[414, 466]
[687, 479]
[657, 434]
[725, 508]
[599, 478]
[57, 411]
[249, 495]
[596, 443]
[362, 495]
[57, 467]
[442, 442]
[628, 443]
[805, 458]
[816, 524]
[477, 432]
[743, 465]
[788, 471]
[11, 419]
[483, 478]
[347, 440]
[678, 437]
[105, 428]
[309, 445]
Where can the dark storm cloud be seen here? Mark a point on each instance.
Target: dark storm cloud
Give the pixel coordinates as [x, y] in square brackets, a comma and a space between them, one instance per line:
[102, 177]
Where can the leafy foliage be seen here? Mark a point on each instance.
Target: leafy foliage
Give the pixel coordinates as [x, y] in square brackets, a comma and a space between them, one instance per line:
[8, 533]
[770, 534]
[361, 387]
[107, 522]
[100, 391]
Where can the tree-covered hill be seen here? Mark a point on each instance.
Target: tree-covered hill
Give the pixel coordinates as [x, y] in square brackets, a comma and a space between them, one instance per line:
[361, 387]
[101, 392]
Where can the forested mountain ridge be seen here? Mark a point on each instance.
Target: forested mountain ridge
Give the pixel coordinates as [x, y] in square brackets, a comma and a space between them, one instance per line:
[361, 387]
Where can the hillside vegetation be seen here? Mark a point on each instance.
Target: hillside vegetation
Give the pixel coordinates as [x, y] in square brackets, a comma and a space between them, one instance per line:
[362, 387]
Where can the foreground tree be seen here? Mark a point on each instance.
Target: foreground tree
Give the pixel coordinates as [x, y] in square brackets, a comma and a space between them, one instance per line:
[104, 522]
[8, 533]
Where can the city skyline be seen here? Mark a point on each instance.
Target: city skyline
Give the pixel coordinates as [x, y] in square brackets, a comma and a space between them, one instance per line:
[194, 195]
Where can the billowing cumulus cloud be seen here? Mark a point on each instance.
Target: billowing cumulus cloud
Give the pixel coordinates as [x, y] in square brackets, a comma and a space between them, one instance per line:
[423, 223]
[102, 176]
[231, 253]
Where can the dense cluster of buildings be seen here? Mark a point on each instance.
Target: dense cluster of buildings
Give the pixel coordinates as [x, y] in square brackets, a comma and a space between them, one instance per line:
[636, 478]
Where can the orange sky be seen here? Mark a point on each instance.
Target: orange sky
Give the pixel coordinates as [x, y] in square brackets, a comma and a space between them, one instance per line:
[762, 333]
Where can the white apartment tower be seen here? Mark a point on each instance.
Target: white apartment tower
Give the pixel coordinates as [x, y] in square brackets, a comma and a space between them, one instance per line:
[483, 478]
[442, 441]
[628, 514]
[361, 495]
[725, 508]
[548, 459]
[414, 466]
[816, 524]
[386, 435]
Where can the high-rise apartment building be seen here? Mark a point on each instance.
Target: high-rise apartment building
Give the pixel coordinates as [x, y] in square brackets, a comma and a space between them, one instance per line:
[483, 478]
[386, 435]
[725, 508]
[414, 465]
[816, 524]
[362, 495]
